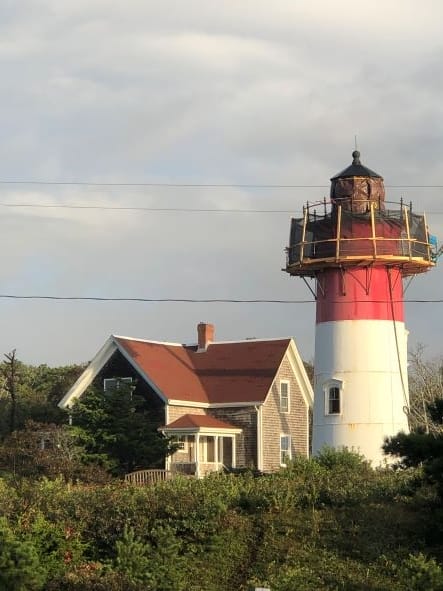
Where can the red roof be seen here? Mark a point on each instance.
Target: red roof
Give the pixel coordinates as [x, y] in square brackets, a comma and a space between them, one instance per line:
[226, 372]
[198, 421]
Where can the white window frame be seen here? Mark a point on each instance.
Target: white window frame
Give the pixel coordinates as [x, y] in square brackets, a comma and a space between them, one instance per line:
[110, 384]
[288, 397]
[287, 451]
[327, 387]
[183, 443]
[203, 450]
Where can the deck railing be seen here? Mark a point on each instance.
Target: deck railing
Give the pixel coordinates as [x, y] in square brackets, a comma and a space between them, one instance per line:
[183, 469]
[148, 477]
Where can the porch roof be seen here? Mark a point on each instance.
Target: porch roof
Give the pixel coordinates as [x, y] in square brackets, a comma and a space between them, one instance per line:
[190, 423]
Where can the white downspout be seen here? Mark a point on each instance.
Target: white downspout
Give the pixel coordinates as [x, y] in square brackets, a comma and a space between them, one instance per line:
[168, 458]
[259, 438]
[234, 452]
[197, 455]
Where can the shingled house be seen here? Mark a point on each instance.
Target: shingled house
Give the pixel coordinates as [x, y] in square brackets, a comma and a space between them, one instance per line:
[234, 404]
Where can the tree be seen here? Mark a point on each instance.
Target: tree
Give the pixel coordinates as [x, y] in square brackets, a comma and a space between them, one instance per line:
[32, 393]
[20, 568]
[10, 377]
[42, 449]
[424, 445]
[425, 391]
[118, 430]
[419, 449]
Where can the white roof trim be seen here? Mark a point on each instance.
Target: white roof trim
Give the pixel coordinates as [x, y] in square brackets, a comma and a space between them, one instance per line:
[297, 366]
[251, 341]
[192, 404]
[118, 336]
[203, 430]
[235, 404]
[98, 362]
[87, 377]
[188, 403]
[299, 370]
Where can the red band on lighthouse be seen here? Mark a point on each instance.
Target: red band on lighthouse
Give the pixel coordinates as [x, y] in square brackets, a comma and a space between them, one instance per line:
[360, 294]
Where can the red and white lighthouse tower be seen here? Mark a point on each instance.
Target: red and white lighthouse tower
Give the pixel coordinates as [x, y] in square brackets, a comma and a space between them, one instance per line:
[358, 250]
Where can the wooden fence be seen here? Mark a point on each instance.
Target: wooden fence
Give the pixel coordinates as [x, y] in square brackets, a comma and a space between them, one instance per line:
[148, 477]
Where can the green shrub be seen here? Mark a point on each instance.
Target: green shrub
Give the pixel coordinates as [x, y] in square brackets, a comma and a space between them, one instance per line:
[20, 568]
[420, 573]
[343, 459]
[157, 565]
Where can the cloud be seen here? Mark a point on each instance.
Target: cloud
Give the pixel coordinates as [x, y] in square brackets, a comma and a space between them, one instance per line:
[201, 92]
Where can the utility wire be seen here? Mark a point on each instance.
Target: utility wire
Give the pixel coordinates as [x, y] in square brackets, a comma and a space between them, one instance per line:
[160, 209]
[199, 301]
[193, 185]
[141, 208]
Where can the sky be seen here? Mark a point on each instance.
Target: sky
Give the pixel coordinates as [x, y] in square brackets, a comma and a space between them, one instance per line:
[199, 92]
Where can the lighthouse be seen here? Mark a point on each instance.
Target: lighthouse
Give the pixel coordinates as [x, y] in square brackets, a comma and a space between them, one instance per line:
[358, 248]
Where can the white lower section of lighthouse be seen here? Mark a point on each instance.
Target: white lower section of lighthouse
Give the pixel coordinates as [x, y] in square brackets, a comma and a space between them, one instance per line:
[361, 385]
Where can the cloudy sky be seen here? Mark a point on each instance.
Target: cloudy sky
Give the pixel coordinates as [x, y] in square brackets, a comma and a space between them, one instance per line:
[246, 92]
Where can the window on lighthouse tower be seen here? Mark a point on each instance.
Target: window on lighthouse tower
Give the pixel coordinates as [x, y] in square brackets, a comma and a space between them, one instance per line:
[333, 391]
[334, 400]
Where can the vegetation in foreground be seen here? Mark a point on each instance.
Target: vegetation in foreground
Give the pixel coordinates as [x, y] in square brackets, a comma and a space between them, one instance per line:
[68, 523]
[324, 524]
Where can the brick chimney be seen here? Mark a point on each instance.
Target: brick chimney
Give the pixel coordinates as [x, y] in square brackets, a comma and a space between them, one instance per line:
[205, 335]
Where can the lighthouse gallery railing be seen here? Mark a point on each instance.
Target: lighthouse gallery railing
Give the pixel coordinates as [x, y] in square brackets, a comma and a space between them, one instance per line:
[340, 235]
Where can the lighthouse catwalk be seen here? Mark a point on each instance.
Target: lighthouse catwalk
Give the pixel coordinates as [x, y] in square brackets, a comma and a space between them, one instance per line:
[358, 248]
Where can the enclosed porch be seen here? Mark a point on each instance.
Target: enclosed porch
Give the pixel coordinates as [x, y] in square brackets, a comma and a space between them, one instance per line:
[205, 444]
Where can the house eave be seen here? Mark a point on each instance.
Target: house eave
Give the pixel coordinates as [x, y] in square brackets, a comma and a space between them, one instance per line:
[299, 370]
[96, 365]
[191, 404]
[201, 430]
[87, 377]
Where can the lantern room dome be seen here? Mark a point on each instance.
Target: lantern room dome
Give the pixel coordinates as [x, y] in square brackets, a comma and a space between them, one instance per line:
[355, 187]
[356, 169]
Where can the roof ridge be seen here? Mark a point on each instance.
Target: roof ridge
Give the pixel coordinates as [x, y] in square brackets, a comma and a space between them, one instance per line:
[171, 344]
[139, 340]
[251, 340]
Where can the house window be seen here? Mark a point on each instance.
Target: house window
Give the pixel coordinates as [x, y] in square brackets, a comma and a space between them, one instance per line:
[285, 449]
[182, 442]
[284, 396]
[111, 384]
[333, 390]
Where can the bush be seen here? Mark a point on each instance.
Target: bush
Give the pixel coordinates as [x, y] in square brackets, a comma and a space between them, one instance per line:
[155, 565]
[20, 568]
[419, 573]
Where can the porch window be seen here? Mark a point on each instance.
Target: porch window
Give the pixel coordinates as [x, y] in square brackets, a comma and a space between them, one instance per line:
[284, 396]
[182, 442]
[285, 449]
[210, 449]
[207, 449]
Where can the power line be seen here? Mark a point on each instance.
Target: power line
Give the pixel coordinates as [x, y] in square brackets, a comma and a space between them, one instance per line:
[141, 208]
[199, 301]
[193, 185]
[159, 209]
[166, 185]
